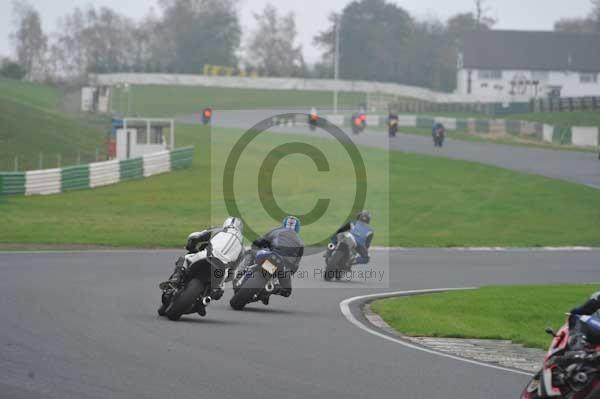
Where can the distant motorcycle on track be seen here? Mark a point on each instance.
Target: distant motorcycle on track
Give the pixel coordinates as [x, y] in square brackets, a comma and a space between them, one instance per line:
[359, 123]
[439, 134]
[343, 252]
[207, 116]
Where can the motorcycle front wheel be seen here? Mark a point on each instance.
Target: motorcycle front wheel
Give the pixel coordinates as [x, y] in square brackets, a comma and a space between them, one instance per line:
[185, 301]
[334, 263]
[531, 389]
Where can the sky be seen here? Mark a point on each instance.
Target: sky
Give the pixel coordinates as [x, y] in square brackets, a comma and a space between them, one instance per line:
[311, 15]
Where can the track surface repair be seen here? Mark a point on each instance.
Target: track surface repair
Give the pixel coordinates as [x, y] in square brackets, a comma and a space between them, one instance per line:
[84, 325]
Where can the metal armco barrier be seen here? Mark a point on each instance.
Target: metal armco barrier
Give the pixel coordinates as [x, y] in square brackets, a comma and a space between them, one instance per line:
[54, 181]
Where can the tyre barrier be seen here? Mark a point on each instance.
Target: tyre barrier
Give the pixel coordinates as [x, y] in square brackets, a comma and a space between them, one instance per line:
[70, 178]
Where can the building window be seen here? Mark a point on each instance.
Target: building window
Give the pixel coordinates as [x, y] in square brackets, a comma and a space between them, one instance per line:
[156, 136]
[588, 78]
[489, 75]
[141, 136]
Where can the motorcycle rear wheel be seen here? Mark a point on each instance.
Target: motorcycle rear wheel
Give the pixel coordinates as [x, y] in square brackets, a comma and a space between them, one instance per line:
[334, 265]
[251, 287]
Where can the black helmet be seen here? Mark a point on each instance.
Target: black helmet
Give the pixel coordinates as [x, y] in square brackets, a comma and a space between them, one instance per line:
[364, 216]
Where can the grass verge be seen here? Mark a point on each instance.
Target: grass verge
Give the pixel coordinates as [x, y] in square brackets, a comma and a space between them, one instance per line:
[31, 123]
[417, 201]
[178, 100]
[518, 313]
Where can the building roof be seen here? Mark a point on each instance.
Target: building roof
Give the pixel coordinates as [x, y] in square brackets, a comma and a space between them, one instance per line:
[528, 50]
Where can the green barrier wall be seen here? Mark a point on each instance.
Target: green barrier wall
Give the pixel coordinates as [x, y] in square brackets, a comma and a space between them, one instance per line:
[462, 125]
[12, 183]
[75, 178]
[425, 122]
[182, 158]
[131, 169]
[482, 126]
[562, 135]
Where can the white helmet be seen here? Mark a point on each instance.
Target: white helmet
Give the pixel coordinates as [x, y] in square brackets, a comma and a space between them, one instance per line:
[234, 223]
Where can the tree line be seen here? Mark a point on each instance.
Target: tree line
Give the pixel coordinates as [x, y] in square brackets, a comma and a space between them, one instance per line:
[379, 40]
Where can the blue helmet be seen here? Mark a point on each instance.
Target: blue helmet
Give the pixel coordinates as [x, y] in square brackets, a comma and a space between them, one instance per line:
[292, 223]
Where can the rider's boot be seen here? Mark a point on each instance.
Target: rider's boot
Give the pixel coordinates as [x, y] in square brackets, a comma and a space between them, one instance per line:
[176, 277]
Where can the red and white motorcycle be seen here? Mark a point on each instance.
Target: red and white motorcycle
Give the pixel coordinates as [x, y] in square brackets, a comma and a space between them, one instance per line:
[567, 373]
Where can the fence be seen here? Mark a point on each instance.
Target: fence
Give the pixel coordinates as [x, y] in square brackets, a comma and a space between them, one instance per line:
[25, 161]
[59, 180]
[569, 104]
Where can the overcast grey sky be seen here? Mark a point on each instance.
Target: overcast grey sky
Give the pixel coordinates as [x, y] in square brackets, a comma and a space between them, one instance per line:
[311, 15]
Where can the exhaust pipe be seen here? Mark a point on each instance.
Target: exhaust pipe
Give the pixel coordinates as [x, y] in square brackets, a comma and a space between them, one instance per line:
[270, 287]
[331, 246]
[206, 300]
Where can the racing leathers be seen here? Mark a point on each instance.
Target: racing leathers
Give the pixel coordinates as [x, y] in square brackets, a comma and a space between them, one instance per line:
[207, 246]
[590, 307]
[287, 244]
[359, 229]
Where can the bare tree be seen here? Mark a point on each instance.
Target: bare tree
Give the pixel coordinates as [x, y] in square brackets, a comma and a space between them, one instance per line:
[272, 47]
[589, 24]
[595, 14]
[482, 18]
[29, 39]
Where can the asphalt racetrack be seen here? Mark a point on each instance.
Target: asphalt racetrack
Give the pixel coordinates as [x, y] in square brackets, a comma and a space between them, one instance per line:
[84, 325]
[575, 166]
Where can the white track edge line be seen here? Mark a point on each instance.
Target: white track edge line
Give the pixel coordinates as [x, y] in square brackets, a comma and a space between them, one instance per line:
[345, 308]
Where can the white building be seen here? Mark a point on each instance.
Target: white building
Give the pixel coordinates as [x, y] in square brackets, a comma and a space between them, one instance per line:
[521, 65]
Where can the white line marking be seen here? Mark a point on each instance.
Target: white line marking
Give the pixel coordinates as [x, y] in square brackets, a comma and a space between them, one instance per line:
[593, 186]
[345, 308]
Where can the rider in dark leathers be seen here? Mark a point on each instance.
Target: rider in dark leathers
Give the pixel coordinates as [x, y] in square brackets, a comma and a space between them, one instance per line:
[590, 307]
[285, 242]
[362, 222]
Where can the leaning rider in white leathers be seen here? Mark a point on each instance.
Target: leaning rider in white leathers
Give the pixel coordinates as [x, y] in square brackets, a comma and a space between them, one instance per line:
[222, 247]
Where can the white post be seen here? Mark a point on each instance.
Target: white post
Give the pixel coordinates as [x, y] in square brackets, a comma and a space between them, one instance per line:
[128, 100]
[148, 141]
[16, 163]
[40, 161]
[127, 138]
[336, 66]
[172, 134]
